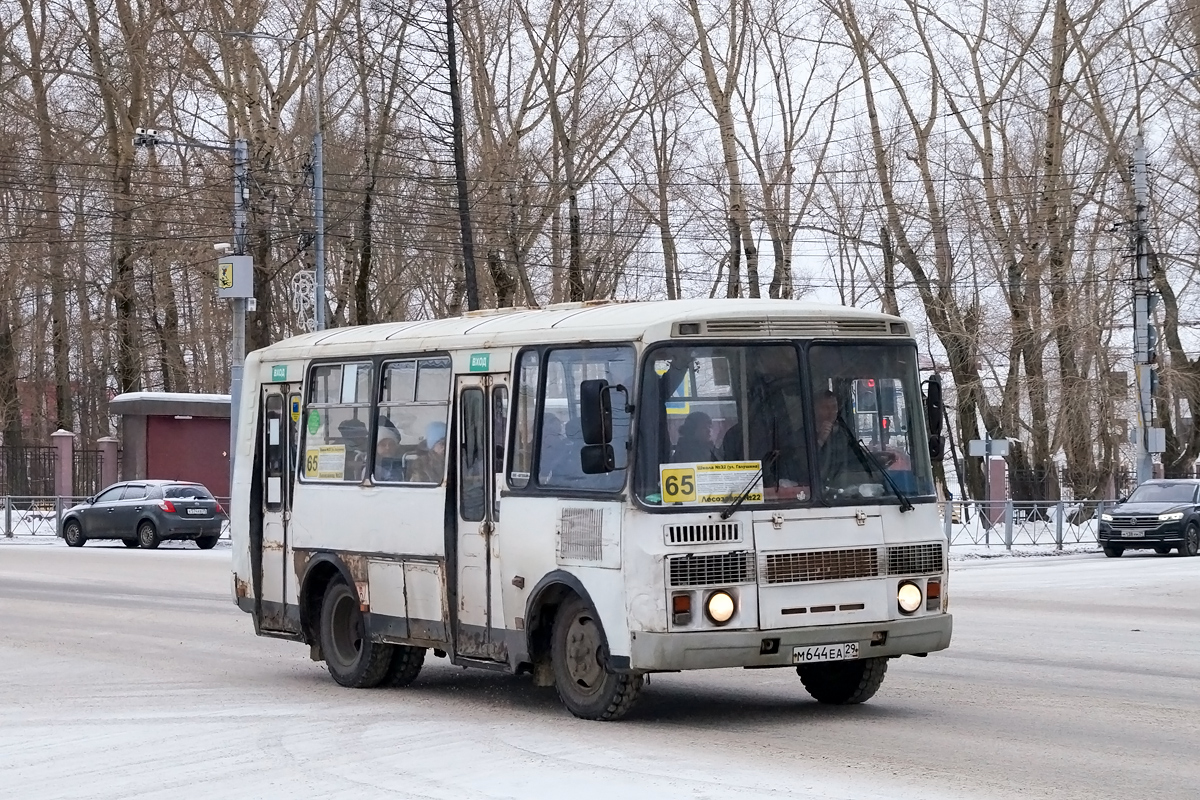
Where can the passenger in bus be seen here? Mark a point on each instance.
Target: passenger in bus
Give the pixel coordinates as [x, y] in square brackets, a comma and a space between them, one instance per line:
[775, 427]
[356, 439]
[695, 440]
[388, 464]
[430, 464]
[560, 451]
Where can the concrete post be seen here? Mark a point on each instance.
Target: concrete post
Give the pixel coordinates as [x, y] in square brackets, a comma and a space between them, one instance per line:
[108, 460]
[8, 517]
[947, 520]
[64, 467]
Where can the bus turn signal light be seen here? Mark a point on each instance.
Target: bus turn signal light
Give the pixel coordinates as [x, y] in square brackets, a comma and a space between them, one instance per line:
[933, 595]
[681, 609]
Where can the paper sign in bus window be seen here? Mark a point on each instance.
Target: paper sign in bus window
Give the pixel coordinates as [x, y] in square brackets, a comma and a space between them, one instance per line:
[710, 482]
[325, 463]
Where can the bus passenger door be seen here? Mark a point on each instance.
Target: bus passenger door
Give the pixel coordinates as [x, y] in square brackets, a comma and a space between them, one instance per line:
[279, 405]
[476, 571]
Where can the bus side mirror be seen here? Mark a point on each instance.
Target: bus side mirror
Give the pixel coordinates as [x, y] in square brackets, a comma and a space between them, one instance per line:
[597, 459]
[934, 414]
[595, 412]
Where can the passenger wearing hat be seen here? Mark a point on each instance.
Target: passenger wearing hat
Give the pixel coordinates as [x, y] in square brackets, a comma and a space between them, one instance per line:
[388, 464]
[430, 463]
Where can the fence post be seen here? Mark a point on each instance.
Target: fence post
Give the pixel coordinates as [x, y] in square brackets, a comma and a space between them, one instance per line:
[1058, 525]
[8, 517]
[1008, 524]
[64, 467]
[947, 521]
[1099, 514]
[58, 514]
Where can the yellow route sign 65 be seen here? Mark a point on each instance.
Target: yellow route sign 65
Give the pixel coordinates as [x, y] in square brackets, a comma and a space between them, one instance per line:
[679, 485]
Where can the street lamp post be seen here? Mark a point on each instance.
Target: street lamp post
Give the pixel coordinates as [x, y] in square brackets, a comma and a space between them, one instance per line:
[318, 171]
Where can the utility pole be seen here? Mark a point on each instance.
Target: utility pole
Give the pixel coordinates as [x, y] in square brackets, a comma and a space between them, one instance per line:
[460, 165]
[241, 197]
[319, 198]
[1145, 336]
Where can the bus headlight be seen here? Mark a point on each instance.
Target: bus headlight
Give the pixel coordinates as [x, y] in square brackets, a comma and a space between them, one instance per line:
[908, 597]
[720, 607]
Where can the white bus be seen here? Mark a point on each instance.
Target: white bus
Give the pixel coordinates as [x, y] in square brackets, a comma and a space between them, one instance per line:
[590, 493]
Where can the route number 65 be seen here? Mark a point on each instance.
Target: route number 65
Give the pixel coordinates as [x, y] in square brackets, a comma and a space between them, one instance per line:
[679, 485]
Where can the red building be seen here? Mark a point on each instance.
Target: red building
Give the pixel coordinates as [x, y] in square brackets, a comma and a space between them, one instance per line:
[174, 436]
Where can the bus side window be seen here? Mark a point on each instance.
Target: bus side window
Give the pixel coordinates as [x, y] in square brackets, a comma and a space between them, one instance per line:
[473, 460]
[525, 421]
[336, 421]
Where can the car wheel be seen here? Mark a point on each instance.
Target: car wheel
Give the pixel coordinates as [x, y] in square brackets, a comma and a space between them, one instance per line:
[1191, 541]
[73, 534]
[842, 683]
[1162, 550]
[130, 542]
[1114, 552]
[147, 536]
[207, 542]
[406, 665]
[352, 658]
[585, 684]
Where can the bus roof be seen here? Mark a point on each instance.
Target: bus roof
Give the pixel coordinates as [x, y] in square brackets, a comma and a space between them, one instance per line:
[597, 321]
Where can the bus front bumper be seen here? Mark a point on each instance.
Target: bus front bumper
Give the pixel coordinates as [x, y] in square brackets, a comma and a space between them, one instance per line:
[652, 652]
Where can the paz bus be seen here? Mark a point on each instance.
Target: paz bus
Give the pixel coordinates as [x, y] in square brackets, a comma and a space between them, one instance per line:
[591, 493]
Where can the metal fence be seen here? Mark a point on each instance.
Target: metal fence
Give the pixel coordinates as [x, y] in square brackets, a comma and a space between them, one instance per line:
[88, 474]
[42, 515]
[27, 470]
[1045, 523]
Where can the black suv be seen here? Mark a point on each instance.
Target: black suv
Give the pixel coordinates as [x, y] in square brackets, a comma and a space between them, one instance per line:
[1160, 514]
[143, 513]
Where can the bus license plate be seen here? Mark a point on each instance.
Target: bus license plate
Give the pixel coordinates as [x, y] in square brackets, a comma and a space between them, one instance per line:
[824, 652]
[1132, 534]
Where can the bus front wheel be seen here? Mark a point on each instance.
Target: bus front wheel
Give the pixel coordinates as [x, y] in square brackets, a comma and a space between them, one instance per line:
[843, 683]
[585, 684]
[352, 658]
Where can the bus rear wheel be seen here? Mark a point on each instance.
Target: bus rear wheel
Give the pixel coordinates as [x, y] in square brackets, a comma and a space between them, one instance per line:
[352, 658]
[406, 665]
[585, 684]
[842, 683]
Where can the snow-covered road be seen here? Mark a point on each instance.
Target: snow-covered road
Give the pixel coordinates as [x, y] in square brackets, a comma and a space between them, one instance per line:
[129, 674]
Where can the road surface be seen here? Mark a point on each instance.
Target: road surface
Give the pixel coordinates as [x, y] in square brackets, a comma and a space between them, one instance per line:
[129, 674]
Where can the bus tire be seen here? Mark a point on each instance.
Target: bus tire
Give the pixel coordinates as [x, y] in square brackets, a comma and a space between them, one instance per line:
[842, 683]
[406, 665]
[585, 684]
[352, 658]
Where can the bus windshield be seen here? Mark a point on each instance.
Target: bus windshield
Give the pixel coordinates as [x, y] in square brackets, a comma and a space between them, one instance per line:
[722, 420]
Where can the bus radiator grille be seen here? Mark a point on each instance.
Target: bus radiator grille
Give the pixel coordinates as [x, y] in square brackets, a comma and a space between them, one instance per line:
[820, 565]
[703, 533]
[915, 559]
[715, 569]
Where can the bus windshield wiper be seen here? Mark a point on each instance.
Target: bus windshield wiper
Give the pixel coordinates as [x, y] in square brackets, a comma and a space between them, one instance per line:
[741, 498]
[867, 457]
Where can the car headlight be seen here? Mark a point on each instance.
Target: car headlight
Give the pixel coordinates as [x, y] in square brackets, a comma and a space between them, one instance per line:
[1174, 515]
[720, 607]
[1106, 517]
[908, 597]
